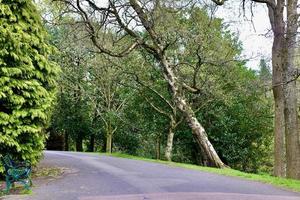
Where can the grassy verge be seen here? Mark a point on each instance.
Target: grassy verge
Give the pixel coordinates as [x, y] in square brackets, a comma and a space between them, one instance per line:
[290, 184]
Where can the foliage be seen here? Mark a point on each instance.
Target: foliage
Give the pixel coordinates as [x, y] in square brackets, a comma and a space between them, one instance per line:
[27, 80]
[143, 125]
[73, 111]
[117, 94]
[242, 127]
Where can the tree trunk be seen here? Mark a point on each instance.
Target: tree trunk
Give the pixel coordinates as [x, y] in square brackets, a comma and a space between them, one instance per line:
[108, 142]
[103, 149]
[169, 147]
[66, 145]
[79, 144]
[197, 129]
[278, 28]
[92, 143]
[292, 135]
[279, 134]
[279, 129]
[284, 88]
[157, 147]
[291, 131]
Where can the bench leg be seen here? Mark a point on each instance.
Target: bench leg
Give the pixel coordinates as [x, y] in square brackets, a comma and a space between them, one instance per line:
[8, 184]
[27, 183]
[30, 182]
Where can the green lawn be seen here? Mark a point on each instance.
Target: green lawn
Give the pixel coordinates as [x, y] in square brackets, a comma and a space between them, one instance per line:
[290, 184]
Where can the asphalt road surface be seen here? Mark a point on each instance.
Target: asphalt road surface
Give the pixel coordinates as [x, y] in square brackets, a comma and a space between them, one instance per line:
[94, 177]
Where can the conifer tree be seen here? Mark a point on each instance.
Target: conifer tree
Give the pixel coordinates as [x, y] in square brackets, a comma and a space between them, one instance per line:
[265, 73]
[27, 80]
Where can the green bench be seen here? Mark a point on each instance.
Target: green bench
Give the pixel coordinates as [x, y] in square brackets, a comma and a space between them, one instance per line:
[16, 172]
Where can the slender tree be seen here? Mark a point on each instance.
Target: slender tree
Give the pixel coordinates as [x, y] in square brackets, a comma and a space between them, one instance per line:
[171, 113]
[106, 96]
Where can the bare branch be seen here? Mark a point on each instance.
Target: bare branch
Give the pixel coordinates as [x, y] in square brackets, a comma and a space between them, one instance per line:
[191, 89]
[157, 93]
[146, 23]
[270, 3]
[155, 107]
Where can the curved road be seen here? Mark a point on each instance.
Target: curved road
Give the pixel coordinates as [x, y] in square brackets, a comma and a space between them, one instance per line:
[94, 177]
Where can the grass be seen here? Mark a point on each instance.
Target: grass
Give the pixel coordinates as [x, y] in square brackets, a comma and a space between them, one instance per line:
[290, 184]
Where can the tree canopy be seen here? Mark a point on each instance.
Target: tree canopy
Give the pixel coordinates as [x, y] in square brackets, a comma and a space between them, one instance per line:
[130, 105]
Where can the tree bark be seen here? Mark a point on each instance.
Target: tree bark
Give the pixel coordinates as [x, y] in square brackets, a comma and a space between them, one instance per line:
[108, 143]
[197, 129]
[169, 147]
[279, 134]
[277, 80]
[157, 147]
[292, 131]
[290, 94]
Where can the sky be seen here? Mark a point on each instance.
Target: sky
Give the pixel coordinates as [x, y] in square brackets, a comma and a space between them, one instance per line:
[253, 31]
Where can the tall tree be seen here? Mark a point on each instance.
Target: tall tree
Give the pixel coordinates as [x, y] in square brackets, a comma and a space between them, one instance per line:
[265, 73]
[265, 76]
[284, 15]
[27, 80]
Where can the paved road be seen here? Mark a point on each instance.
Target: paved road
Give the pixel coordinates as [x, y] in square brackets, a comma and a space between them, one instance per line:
[95, 177]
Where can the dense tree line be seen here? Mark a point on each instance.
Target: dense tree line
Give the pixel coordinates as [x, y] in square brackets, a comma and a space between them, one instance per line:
[126, 105]
[131, 18]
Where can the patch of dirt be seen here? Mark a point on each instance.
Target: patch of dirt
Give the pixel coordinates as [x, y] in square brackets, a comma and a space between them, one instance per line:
[45, 174]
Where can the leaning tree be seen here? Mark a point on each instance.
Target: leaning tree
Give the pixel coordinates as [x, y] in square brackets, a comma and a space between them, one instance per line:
[135, 26]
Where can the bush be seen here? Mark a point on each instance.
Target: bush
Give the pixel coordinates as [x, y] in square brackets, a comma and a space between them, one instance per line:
[27, 80]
